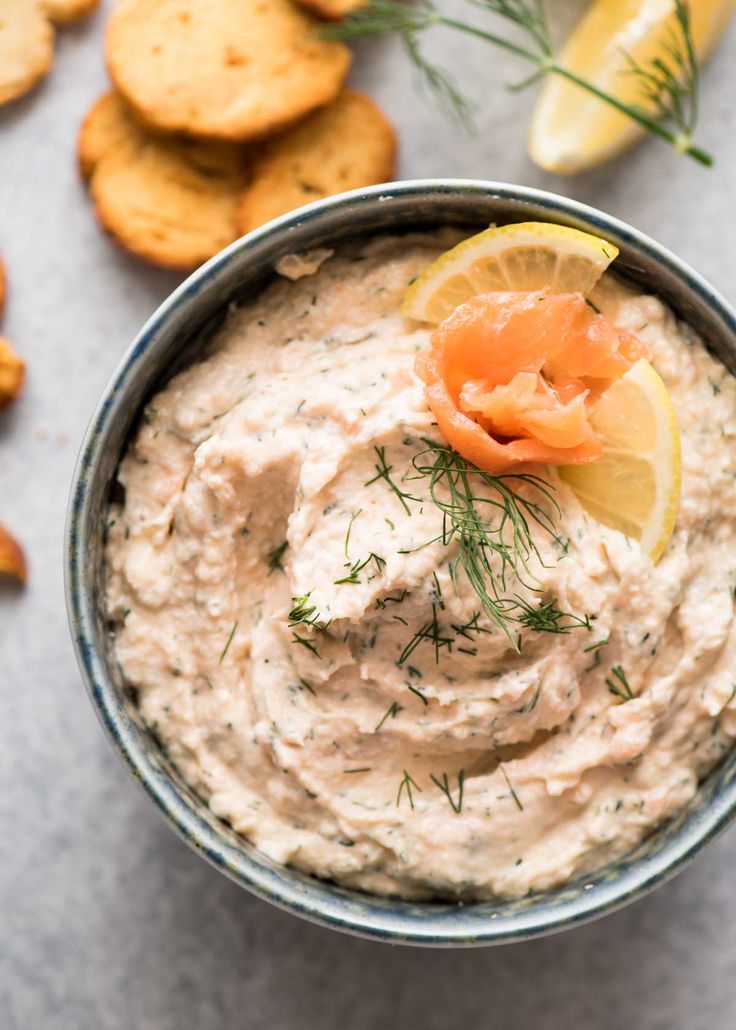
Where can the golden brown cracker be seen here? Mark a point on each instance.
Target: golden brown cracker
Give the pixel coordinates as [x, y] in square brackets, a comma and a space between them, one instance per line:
[61, 12]
[168, 200]
[348, 144]
[26, 47]
[333, 10]
[227, 69]
[12, 559]
[12, 373]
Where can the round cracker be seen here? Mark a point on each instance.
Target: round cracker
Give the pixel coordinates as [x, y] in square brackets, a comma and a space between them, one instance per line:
[26, 47]
[61, 12]
[344, 146]
[333, 10]
[227, 69]
[170, 201]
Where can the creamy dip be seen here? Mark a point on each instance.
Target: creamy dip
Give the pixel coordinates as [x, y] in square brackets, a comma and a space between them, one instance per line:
[392, 739]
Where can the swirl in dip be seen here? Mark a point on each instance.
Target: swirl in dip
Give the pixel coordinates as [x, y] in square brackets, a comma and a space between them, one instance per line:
[287, 617]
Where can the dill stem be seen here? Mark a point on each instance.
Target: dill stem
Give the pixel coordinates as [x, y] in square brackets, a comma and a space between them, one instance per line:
[489, 37]
[681, 143]
[545, 64]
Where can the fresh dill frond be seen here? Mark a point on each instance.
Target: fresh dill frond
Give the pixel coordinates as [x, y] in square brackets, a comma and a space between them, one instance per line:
[670, 83]
[489, 552]
[548, 618]
[383, 471]
[407, 782]
[598, 645]
[435, 632]
[408, 21]
[471, 626]
[358, 566]
[619, 685]
[304, 613]
[444, 786]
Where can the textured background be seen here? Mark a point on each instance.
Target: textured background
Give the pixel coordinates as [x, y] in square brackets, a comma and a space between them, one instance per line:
[106, 920]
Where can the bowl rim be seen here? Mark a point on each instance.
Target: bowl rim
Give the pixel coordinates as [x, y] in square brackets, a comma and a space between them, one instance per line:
[429, 924]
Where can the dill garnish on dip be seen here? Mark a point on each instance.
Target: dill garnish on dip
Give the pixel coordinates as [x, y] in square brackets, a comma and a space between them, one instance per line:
[446, 633]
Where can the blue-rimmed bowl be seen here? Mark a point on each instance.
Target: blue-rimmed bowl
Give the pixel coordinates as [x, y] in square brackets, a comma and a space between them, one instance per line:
[171, 339]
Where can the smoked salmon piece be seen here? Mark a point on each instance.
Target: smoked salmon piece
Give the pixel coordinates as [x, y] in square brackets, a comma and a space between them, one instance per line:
[510, 377]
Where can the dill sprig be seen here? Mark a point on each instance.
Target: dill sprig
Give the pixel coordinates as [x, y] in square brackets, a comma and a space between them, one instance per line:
[444, 786]
[435, 632]
[407, 782]
[383, 471]
[489, 552]
[670, 85]
[619, 686]
[304, 613]
[548, 618]
[358, 566]
[669, 107]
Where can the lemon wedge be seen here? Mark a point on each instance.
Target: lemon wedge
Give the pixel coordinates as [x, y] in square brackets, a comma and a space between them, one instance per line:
[635, 485]
[571, 130]
[521, 256]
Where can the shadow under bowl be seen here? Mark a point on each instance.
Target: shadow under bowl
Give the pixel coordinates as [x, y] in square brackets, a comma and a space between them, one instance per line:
[172, 339]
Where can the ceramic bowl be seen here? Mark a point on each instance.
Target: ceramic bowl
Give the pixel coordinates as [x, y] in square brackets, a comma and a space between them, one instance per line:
[170, 340]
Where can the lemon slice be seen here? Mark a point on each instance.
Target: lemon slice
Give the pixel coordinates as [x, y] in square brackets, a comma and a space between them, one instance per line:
[571, 130]
[522, 256]
[635, 485]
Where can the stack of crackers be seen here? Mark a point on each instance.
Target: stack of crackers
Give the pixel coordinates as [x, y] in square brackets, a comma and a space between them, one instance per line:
[224, 114]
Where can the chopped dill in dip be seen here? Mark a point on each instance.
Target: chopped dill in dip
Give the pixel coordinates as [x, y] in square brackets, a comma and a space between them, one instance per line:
[314, 639]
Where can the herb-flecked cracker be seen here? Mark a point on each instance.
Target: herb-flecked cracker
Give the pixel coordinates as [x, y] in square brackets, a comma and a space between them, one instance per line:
[227, 69]
[344, 146]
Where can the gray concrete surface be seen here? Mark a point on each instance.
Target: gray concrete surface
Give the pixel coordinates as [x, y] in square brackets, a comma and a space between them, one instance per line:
[107, 921]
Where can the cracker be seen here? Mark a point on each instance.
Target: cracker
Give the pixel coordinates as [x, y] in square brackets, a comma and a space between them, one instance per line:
[168, 200]
[12, 373]
[333, 10]
[227, 69]
[344, 146]
[12, 559]
[26, 47]
[61, 12]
